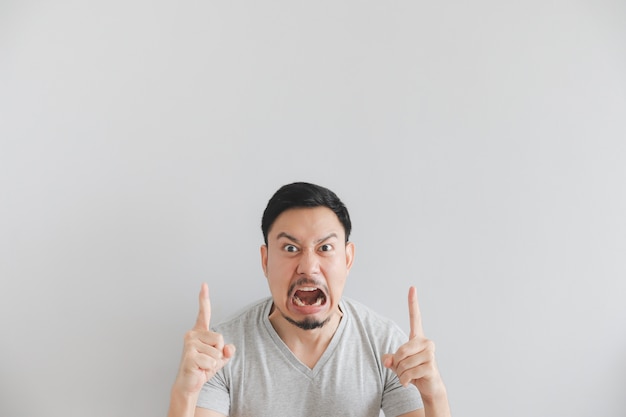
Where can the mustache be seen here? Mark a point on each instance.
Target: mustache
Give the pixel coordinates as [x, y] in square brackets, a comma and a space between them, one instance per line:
[306, 281]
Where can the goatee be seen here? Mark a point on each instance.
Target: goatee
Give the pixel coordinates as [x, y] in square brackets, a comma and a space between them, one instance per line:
[307, 324]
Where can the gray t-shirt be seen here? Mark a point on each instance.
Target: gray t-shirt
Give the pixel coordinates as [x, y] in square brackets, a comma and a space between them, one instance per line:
[265, 379]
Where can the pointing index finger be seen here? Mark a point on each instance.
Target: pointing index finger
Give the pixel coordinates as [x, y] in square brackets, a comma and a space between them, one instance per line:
[204, 312]
[415, 317]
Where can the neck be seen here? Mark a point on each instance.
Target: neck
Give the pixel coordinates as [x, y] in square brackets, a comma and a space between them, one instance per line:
[307, 345]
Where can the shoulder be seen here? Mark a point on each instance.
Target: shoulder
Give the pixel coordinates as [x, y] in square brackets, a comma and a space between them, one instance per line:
[371, 323]
[366, 315]
[244, 320]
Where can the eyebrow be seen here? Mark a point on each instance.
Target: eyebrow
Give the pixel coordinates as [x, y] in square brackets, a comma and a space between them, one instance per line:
[293, 239]
[288, 236]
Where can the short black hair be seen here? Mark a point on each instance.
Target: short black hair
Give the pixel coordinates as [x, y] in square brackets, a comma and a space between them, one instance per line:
[303, 195]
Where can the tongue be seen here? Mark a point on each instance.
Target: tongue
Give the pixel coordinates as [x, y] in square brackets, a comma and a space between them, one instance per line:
[308, 297]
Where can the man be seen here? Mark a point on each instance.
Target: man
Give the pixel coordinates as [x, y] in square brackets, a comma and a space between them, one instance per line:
[307, 351]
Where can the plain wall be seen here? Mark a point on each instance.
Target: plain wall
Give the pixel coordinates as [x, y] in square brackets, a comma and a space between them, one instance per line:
[480, 147]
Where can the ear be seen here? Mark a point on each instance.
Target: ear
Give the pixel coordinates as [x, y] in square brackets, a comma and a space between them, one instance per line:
[349, 255]
[264, 259]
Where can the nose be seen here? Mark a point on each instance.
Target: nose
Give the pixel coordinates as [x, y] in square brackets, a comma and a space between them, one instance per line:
[308, 264]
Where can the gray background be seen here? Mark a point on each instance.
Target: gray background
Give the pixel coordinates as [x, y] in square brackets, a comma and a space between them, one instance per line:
[479, 146]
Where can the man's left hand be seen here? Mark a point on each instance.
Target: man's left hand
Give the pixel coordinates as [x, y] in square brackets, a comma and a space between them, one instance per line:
[414, 362]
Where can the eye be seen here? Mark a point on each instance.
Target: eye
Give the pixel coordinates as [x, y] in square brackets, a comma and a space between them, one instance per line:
[290, 248]
[326, 248]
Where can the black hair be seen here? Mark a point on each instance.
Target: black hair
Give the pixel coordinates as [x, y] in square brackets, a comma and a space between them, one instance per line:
[303, 195]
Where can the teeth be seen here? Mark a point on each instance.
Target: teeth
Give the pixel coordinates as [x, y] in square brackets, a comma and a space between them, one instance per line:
[299, 302]
[307, 289]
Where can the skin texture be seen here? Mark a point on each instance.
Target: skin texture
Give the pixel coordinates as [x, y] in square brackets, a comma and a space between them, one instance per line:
[306, 248]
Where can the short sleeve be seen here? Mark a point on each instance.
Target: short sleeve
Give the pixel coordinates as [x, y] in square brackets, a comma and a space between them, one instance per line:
[215, 394]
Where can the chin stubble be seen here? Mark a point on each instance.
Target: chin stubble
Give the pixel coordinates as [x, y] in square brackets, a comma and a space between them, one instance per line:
[307, 324]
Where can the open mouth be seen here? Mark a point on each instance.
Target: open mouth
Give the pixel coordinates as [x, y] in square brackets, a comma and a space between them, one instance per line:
[309, 297]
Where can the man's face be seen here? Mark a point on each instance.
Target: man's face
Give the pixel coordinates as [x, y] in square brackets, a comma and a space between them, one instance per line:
[306, 262]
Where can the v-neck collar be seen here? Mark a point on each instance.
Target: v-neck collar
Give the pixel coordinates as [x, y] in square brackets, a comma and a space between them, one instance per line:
[289, 355]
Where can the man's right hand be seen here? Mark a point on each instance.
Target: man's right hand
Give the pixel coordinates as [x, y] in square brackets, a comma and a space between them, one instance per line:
[204, 352]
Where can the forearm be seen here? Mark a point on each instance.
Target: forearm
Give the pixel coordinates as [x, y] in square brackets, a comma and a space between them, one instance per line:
[182, 405]
[437, 405]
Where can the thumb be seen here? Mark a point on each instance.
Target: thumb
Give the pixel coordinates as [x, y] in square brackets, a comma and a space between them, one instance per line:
[229, 351]
[387, 360]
